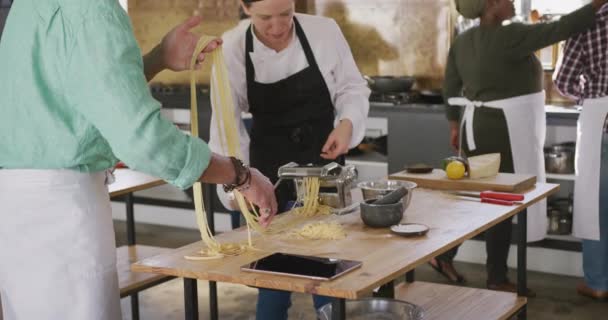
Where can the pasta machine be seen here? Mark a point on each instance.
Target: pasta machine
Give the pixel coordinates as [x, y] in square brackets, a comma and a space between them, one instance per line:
[335, 181]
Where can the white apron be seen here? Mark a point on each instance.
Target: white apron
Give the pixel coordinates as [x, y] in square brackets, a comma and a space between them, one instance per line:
[526, 122]
[587, 162]
[57, 248]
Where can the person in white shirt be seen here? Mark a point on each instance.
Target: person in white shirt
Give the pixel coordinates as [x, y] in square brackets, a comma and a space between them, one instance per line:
[296, 75]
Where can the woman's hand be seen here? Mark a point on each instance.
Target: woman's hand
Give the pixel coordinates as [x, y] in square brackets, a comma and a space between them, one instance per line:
[455, 135]
[338, 141]
[261, 193]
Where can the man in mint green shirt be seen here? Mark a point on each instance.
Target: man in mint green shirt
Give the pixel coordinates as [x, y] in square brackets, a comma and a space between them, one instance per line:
[74, 99]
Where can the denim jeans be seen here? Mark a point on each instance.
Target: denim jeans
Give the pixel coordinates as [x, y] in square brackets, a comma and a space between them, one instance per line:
[273, 304]
[595, 253]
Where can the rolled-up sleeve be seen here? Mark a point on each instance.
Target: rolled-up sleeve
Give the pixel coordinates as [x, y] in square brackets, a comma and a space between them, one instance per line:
[108, 88]
[352, 94]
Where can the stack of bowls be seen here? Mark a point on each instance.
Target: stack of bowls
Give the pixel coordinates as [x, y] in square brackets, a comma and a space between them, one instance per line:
[383, 215]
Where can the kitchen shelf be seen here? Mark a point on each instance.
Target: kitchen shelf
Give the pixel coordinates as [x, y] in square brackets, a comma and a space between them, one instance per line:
[557, 176]
[453, 302]
[567, 237]
[550, 108]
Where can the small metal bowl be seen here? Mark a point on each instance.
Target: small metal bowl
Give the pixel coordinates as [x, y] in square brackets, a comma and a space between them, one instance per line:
[374, 309]
[381, 215]
[376, 189]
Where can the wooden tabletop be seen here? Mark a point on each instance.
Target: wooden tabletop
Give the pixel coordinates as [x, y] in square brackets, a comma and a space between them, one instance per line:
[128, 181]
[385, 256]
[438, 180]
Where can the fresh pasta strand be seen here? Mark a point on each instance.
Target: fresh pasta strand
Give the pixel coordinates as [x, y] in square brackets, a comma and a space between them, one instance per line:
[223, 110]
[214, 249]
[320, 231]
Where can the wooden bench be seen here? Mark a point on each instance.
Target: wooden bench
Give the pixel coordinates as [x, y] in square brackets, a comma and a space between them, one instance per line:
[130, 283]
[458, 303]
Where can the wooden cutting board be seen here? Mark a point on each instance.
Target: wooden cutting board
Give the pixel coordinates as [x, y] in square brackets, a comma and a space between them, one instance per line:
[503, 182]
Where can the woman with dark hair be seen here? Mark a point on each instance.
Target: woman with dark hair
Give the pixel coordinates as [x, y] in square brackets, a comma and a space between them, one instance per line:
[296, 75]
[494, 69]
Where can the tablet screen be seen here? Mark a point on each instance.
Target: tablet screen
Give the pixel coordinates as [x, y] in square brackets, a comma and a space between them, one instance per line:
[302, 266]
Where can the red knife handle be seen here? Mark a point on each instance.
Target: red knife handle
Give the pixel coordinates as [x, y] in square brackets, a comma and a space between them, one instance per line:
[497, 201]
[502, 196]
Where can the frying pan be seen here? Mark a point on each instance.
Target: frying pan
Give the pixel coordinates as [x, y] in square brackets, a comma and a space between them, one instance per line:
[431, 96]
[387, 84]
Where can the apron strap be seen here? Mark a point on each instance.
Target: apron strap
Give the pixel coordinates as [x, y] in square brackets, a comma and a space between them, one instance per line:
[250, 70]
[469, 112]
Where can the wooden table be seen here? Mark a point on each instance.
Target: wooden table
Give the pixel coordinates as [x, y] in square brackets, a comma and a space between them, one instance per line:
[129, 181]
[385, 256]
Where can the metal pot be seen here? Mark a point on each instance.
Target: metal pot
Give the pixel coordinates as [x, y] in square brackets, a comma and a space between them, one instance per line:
[559, 159]
[374, 309]
[387, 84]
[559, 212]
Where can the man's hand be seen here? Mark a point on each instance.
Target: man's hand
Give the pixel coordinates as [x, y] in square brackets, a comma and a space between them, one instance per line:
[261, 194]
[176, 49]
[178, 45]
[338, 140]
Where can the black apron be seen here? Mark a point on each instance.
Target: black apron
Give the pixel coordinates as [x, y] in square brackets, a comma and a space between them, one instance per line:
[292, 118]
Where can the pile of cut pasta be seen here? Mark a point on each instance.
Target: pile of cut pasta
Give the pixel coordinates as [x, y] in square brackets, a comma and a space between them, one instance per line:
[223, 110]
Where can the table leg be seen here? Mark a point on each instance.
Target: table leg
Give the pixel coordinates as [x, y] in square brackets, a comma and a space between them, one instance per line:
[135, 306]
[208, 190]
[208, 194]
[409, 276]
[338, 309]
[213, 309]
[191, 299]
[129, 202]
[522, 239]
[386, 291]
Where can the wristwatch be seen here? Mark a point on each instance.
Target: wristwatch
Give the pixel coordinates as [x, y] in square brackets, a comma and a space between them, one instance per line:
[242, 176]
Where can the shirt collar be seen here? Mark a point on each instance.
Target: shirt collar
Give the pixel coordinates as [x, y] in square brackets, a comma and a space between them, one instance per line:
[259, 46]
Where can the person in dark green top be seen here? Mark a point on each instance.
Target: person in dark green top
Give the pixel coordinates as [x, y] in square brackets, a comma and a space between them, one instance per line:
[74, 98]
[493, 72]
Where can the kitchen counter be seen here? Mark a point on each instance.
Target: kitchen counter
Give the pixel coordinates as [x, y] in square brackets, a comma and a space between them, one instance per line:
[551, 110]
[419, 133]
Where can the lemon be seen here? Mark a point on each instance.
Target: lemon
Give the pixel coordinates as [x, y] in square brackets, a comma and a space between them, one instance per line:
[455, 170]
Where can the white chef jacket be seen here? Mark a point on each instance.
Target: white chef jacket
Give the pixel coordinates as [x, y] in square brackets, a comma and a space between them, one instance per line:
[348, 89]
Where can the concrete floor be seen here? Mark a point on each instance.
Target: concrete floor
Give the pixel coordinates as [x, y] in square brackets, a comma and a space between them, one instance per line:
[557, 299]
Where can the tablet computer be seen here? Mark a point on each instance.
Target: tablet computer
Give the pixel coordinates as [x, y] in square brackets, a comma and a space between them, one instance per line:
[302, 266]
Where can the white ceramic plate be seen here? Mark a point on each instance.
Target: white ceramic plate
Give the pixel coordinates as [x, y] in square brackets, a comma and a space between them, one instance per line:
[410, 229]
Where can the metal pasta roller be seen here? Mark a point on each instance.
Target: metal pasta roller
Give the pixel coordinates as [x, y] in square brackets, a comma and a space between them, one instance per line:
[335, 182]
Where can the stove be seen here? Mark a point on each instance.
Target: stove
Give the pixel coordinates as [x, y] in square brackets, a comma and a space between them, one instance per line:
[394, 98]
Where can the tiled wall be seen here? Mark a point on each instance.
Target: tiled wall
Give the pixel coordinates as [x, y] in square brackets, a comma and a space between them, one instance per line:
[387, 37]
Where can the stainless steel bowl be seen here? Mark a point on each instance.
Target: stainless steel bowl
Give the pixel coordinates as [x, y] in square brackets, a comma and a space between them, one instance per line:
[376, 309]
[376, 189]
